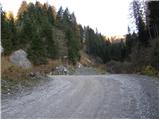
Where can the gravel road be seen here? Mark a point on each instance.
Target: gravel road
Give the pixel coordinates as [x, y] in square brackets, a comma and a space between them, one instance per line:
[92, 96]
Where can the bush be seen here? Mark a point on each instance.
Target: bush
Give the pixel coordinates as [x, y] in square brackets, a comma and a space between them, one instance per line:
[119, 67]
[149, 70]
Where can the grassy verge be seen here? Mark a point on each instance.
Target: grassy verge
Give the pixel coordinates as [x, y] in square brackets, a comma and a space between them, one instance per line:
[101, 69]
[16, 79]
[150, 71]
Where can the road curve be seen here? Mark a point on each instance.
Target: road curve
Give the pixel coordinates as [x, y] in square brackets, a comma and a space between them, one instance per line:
[93, 96]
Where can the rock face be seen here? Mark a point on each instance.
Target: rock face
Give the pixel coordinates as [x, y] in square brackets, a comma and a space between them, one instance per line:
[19, 58]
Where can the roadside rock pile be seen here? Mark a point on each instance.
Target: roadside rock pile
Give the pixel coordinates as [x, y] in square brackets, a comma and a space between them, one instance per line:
[79, 65]
[60, 70]
[34, 75]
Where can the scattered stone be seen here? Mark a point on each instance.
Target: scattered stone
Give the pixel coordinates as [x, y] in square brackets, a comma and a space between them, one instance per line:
[3, 81]
[19, 58]
[38, 74]
[79, 65]
[59, 70]
[32, 75]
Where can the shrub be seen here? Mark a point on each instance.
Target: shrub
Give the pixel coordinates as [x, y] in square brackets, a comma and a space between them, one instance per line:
[149, 70]
[119, 67]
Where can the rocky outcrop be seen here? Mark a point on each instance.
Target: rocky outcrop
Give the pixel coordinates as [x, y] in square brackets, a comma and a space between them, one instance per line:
[19, 58]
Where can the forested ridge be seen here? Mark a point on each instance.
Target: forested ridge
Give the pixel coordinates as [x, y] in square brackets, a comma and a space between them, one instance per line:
[40, 30]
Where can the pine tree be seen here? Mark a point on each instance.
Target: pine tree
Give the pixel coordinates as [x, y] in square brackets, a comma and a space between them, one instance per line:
[5, 34]
[13, 31]
[51, 15]
[73, 47]
[36, 52]
[9, 34]
[66, 21]
[82, 37]
[22, 10]
[59, 17]
[50, 41]
[140, 24]
[152, 18]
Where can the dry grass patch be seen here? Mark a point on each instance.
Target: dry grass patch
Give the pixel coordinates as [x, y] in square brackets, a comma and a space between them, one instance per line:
[44, 69]
[101, 68]
[11, 72]
[16, 79]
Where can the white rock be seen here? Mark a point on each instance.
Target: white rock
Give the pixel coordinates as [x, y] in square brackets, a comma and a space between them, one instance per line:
[19, 58]
[1, 49]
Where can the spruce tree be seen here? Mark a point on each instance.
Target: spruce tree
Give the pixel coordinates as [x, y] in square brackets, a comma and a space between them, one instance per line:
[23, 8]
[51, 15]
[59, 17]
[5, 34]
[36, 52]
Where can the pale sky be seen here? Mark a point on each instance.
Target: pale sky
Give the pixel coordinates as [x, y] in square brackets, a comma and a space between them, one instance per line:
[110, 17]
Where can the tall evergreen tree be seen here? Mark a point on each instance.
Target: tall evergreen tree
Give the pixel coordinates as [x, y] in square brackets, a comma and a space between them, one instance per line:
[152, 18]
[140, 24]
[22, 9]
[5, 34]
[9, 33]
[36, 52]
[59, 17]
[51, 15]
[13, 31]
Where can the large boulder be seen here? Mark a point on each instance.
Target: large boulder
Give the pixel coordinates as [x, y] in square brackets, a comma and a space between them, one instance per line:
[19, 58]
[2, 49]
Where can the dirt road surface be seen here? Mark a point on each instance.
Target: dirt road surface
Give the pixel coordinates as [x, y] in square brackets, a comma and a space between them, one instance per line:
[88, 96]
